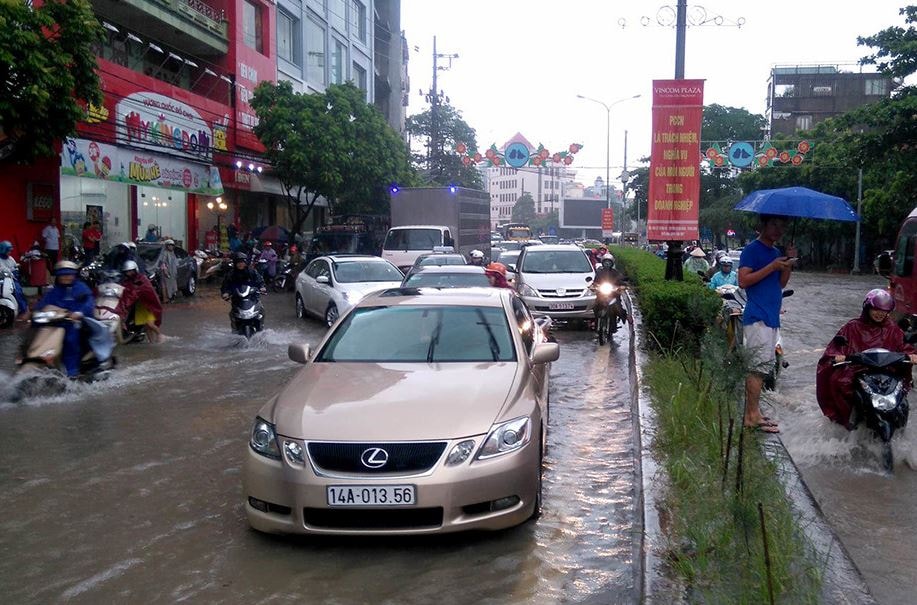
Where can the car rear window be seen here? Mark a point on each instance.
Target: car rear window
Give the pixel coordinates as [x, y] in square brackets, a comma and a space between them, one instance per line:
[421, 334]
[446, 280]
[349, 272]
[440, 260]
[555, 261]
[413, 239]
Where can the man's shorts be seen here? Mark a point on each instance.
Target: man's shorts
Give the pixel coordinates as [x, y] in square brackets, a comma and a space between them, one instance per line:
[760, 342]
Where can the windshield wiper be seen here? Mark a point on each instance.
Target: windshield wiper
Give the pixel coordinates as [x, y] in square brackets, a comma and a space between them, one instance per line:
[494, 346]
[435, 340]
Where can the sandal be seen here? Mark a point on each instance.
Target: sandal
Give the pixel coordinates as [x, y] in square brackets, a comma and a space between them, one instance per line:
[764, 428]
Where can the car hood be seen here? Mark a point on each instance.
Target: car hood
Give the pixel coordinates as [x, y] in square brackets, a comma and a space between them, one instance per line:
[550, 281]
[392, 402]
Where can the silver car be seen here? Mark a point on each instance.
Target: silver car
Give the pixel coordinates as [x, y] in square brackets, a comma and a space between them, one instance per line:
[330, 285]
[556, 280]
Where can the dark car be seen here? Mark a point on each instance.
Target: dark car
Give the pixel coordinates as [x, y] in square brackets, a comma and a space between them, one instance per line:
[446, 276]
[187, 267]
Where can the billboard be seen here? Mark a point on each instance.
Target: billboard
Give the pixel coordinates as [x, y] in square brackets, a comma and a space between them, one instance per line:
[674, 190]
[582, 213]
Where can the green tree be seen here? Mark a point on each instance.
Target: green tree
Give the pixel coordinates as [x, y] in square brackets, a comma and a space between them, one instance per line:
[722, 123]
[541, 224]
[524, 210]
[441, 165]
[47, 67]
[332, 145]
[896, 53]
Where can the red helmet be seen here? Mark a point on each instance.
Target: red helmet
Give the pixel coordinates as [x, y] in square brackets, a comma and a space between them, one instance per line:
[497, 268]
[880, 299]
[293, 249]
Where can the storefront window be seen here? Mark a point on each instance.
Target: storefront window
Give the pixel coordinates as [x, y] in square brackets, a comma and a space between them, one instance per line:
[166, 209]
[82, 198]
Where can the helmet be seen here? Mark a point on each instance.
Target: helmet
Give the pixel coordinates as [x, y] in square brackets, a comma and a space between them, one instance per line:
[240, 257]
[128, 265]
[131, 245]
[725, 260]
[293, 249]
[496, 268]
[719, 255]
[880, 299]
[268, 243]
[169, 242]
[5, 247]
[66, 267]
[608, 256]
[476, 254]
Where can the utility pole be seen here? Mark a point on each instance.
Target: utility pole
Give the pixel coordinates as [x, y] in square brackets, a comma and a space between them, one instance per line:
[856, 244]
[435, 96]
[673, 268]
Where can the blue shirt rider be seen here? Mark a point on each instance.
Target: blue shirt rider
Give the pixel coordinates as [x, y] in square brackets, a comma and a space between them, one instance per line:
[725, 276]
[75, 296]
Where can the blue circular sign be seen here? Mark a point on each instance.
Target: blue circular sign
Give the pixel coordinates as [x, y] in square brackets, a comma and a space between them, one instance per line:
[516, 155]
[741, 154]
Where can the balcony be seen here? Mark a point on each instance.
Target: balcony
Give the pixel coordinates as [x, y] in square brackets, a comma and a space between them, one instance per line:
[194, 27]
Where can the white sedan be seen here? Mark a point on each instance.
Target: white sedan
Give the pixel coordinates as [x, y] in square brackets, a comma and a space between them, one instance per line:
[330, 285]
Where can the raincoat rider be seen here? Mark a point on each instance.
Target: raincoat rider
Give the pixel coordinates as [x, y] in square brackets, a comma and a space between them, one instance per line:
[8, 263]
[269, 256]
[75, 296]
[476, 258]
[725, 276]
[241, 275]
[607, 273]
[496, 275]
[872, 329]
[140, 297]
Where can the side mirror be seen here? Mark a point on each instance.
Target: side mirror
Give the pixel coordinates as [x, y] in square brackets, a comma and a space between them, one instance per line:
[545, 352]
[323, 279]
[299, 352]
[884, 264]
[787, 293]
[511, 268]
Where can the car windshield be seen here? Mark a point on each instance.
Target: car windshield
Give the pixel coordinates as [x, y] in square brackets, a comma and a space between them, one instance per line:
[413, 239]
[439, 260]
[446, 280]
[518, 232]
[555, 261]
[421, 334]
[353, 271]
[511, 245]
[510, 257]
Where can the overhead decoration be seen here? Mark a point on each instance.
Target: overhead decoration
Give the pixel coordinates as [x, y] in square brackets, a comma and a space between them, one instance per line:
[755, 154]
[517, 155]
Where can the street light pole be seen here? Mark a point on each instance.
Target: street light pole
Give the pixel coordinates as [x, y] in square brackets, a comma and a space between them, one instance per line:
[856, 243]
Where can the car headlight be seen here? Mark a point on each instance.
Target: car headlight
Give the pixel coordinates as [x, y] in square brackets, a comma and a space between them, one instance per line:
[460, 452]
[527, 290]
[506, 437]
[263, 439]
[294, 452]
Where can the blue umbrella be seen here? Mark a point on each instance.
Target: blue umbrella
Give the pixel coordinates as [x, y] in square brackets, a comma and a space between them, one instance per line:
[799, 202]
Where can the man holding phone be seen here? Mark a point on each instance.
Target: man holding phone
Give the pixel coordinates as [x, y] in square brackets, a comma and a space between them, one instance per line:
[763, 273]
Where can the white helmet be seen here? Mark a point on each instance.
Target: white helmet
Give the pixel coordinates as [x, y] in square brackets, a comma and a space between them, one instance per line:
[476, 254]
[608, 256]
[131, 245]
[128, 265]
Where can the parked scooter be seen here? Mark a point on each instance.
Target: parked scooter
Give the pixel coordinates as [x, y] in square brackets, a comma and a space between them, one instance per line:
[880, 394]
[9, 306]
[247, 313]
[609, 310]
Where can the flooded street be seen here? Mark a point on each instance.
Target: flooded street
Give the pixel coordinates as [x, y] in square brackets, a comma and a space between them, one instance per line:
[872, 512]
[130, 490]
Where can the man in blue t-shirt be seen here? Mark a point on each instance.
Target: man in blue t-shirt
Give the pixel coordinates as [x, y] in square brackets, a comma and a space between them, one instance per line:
[763, 273]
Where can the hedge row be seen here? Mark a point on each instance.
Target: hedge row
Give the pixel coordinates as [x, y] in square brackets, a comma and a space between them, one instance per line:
[675, 314]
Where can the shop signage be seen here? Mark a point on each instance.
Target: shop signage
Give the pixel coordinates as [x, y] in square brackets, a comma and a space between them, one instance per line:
[90, 159]
[674, 188]
[40, 202]
[154, 121]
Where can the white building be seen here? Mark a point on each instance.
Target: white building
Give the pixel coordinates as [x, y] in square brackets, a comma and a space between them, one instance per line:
[546, 184]
[323, 42]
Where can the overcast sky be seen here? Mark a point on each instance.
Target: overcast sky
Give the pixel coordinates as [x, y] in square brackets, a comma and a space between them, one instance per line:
[522, 63]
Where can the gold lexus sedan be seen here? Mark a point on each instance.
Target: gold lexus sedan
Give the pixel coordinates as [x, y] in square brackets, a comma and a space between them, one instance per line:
[421, 411]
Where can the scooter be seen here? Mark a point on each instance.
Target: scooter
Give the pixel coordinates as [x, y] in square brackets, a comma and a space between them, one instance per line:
[9, 306]
[880, 395]
[247, 313]
[608, 310]
[284, 278]
[39, 362]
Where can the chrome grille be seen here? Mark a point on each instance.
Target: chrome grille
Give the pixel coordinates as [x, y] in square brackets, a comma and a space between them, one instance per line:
[555, 293]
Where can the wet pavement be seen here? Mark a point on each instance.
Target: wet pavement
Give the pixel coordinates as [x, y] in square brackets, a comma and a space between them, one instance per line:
[130, 490]
[872, 512]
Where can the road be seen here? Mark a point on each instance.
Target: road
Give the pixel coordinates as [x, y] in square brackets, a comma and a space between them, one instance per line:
[129, 490]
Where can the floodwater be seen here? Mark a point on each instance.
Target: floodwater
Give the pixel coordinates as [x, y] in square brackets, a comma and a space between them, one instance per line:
[872, 512]
[130, 490]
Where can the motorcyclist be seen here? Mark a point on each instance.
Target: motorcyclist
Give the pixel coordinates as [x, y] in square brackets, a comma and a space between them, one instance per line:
[75, 296]
[872, 329]
[725, 276]
[696, 262]
[8, 263]
[496, 275]
[140, 296]
[241, 275]
[607, 273]
[269, 256]
[476, 258]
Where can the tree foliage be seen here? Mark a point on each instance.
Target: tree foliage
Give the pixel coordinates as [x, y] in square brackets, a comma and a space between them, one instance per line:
[524, 210]
[722, 123]
[441, 165]
[47, 71]
[896, 47]
[332, 145]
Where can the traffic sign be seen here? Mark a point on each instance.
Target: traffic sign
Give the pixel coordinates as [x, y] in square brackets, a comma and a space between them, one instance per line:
[741, 154]
[516, 155]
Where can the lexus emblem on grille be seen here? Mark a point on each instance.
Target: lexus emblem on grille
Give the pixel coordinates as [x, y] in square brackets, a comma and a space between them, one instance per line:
[374, 457]
[561, 292]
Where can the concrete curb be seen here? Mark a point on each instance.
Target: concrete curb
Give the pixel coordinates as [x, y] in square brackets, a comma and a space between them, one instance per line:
[842, 581]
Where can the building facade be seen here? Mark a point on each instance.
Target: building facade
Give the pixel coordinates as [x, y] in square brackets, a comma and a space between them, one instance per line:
[800, 96]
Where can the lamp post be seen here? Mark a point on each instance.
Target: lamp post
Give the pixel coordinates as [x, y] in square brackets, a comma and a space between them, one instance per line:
[607, 107]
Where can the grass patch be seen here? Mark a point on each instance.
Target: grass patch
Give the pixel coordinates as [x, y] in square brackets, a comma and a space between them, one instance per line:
[716, 542]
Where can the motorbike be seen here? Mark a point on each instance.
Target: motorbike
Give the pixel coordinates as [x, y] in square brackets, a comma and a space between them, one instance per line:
[609, 310]
[880, 395]
[39, 361]
[285, 278]
[247, 313]
[9, 306]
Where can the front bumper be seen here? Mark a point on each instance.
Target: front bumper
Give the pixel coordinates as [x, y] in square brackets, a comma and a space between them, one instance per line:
[294, 494]
[582, 307]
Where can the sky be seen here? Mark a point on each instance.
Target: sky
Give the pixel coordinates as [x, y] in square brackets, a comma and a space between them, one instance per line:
[522, 63]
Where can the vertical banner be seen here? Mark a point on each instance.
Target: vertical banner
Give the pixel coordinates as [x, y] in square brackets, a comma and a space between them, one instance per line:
[678, 107]
[608, 222]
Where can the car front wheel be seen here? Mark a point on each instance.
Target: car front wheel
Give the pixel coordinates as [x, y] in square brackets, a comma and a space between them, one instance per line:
[331, 315]
[300, 308]
[191, 287]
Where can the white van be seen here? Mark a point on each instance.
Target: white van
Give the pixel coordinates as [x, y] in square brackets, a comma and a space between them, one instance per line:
[404, 244]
